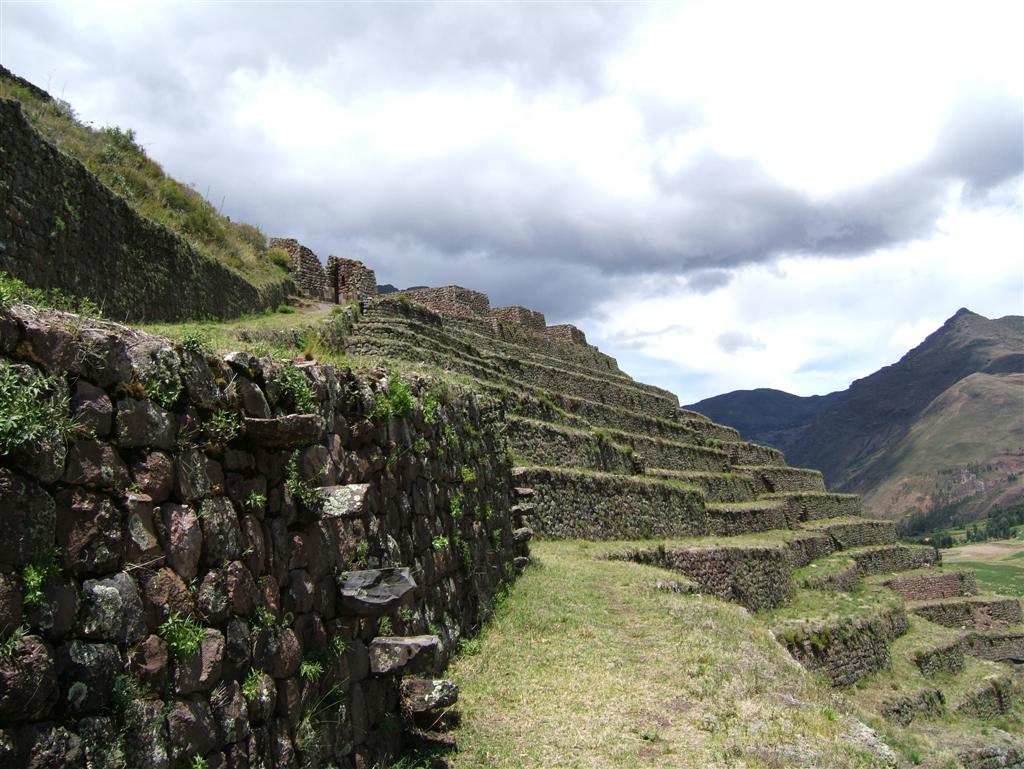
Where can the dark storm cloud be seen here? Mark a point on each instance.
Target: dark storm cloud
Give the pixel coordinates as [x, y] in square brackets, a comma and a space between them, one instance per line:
[490, 215]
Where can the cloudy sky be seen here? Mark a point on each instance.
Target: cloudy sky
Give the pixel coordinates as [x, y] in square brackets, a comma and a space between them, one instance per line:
[723, 195]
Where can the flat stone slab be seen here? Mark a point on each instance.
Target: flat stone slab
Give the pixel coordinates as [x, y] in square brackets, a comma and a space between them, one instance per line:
[372, 592]
[348, 501]
[408, 654]
[288, 432]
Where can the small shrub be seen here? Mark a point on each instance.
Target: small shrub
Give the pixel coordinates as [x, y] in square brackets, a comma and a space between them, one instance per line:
[300, 491]
[337, 645]
[285, 309]
[420, 446]
[223, 426]
[406, 614]
[182, 634]
[468, 476]
[384, 627]
[279, 257]
[34, 408]
[431, 406]
[263, 618]
[163, 385]
[455, 506]
[362, 554]
[397, 401]
[255, 501]
[35, 574]
[251, 686]
[196, 342]
[296, 385]
[311, 669]
[470, 646]
[9, 643]
[440, 542]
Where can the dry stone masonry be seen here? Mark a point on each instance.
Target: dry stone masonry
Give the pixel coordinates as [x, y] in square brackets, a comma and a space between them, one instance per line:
[241, 560]
[343, 280]
[62, 228]
[235, 561]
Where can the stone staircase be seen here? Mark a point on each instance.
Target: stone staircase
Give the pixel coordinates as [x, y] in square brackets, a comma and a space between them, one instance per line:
[602, 457]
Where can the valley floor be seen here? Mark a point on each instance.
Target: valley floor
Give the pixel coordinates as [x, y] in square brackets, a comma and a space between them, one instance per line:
[998, 564]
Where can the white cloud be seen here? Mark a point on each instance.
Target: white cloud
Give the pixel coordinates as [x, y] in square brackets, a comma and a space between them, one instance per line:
[727, 194]
[822, 322]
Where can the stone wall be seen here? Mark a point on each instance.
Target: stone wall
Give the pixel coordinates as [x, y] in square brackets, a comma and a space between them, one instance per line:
[995, 696]
[848, 649]
[454, 301]
[657, 452]
[948, 658]
[570, 504]
[754, 577]
[929, 587]
[1006, 646]
[851, 534]
[925, 703]
[62, 228]
[307, 271]
[241, 562]
[972, 612]
[815, 505]
[566, 332]
[542, 443]
[879, 560]
[520, 316]
[349, 280]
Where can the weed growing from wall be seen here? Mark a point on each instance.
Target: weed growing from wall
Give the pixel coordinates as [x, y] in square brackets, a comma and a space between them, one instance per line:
[222, 427]
[196, 342]
[301, 492]
[396, 401]
[9, 643]
[295, 384]
[182, 634]
[34, 575]
[35, 410]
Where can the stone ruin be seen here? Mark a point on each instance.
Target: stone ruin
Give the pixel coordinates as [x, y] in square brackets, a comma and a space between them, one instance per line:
[345, 280]
[459, 302]
[342, 281]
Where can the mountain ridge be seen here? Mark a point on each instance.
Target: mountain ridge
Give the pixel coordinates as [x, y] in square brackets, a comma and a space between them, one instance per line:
[857, 437]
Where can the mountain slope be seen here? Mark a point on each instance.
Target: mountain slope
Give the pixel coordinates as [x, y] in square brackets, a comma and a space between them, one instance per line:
[851, 441]
[962, 451]
[764, 415]
[943, 425]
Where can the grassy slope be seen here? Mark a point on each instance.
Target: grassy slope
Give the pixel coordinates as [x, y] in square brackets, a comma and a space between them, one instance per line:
[122, 165]
[586, 666]
[980, 419]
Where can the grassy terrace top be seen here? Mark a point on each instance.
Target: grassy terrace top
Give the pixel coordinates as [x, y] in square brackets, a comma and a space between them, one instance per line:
[121, 164]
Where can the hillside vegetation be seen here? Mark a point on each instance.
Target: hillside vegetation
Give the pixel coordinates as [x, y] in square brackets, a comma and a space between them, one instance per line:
[120, 162]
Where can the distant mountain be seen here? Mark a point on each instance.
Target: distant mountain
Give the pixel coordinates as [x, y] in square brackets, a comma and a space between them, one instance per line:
[942, 427]
[772, 417]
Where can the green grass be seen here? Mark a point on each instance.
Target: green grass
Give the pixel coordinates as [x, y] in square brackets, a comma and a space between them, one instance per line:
[997, 564]
[585, 665]
[1005, 578]
[117, 159]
